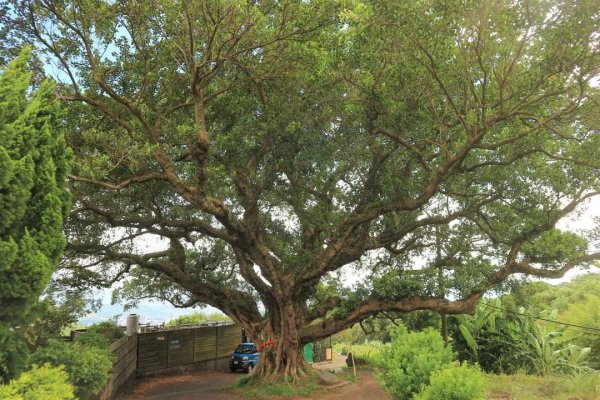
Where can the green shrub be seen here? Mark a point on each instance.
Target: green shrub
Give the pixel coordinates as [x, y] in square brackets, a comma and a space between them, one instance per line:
[502, 342]
[39, 383]
[406, 364]
[88, 366]
[93, 339]
[13, 353]
[109, 329]
[457, 382]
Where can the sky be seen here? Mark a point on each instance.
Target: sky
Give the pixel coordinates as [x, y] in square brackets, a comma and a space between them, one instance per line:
[155, 313]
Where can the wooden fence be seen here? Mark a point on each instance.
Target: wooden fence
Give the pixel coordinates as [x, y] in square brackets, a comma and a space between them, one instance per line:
[124, 367]
[206, 347]
[164, 350]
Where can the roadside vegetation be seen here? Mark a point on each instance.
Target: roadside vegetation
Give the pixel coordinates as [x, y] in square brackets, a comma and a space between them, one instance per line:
[34, 203]
[248, 387]
[522, 386]
[536, 342]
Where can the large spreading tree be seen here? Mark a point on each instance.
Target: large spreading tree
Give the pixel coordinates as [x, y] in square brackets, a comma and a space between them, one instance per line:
[34, 202]
[241, 153]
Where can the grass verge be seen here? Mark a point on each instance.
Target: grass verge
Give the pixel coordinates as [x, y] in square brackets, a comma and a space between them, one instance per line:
[529, 387]
[248, 388]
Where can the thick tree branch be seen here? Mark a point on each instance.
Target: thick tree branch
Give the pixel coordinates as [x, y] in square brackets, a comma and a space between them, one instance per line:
[331, 325]
[121, 185]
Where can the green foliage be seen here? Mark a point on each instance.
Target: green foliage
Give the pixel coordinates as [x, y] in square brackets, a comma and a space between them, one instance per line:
[509, 342]
[34, 202]
[39, 383]
[555, 246]
[93, 339]
[486, 338]
[378, 327]
[407, 363]
[546, 353]
[587, 383]
[394, 285]
[197, 318]
[250, 387]
[585, 386]
[585, 312]
[107, 329]
[88, 366]
[456, 382]
[369, 350]
[55, 313]
[577, 302]
[13, 352]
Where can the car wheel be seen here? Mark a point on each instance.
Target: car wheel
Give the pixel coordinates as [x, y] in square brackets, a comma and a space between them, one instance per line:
[250, 368]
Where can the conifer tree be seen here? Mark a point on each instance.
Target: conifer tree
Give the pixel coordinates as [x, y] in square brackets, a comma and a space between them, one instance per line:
[33, 201]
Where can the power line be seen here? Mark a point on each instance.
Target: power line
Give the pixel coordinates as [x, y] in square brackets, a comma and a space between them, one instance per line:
[582, 328]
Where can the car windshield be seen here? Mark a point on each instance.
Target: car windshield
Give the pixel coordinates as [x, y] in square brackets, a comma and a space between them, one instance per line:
[244, 349]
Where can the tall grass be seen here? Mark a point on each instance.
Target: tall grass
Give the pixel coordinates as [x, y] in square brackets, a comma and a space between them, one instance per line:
[370, 350]
[581, 386]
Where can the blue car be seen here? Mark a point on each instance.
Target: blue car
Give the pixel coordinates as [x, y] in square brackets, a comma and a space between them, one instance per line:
[245, 357]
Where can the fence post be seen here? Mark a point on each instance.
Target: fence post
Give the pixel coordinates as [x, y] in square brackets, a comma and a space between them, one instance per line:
[216, 345]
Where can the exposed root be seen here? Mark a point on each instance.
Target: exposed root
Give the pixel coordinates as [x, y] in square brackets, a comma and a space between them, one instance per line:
[274, 369]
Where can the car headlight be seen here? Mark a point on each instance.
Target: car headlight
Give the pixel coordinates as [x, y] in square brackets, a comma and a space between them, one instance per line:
[231, 358]
[245, 358]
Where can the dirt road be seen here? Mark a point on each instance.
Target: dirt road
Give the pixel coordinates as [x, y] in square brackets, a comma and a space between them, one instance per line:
[209, 386]
[197, 386]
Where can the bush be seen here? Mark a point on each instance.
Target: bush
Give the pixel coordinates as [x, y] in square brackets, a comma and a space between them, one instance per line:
[109, 329]
[40, 383]
[13, 353]
[457, 382]
[406, 365]
[92, 339]
[88, 366]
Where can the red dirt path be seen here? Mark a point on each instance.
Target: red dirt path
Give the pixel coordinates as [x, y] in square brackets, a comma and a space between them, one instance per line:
[208, 386]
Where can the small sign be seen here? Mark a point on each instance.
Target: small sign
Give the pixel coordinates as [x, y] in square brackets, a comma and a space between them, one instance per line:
[160, 338]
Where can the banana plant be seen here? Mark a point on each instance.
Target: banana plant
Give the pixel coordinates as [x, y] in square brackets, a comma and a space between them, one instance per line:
[470, 327]
[505, 342]
[546, 351]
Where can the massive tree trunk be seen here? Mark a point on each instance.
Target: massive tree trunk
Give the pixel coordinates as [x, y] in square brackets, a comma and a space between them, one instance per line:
[281, 344]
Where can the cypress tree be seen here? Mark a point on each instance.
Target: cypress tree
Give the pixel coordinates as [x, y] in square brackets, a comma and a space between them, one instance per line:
[34, 201]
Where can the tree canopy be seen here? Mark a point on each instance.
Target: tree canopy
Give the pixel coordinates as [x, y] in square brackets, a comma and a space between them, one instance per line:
[241, 153]
[34, 202]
